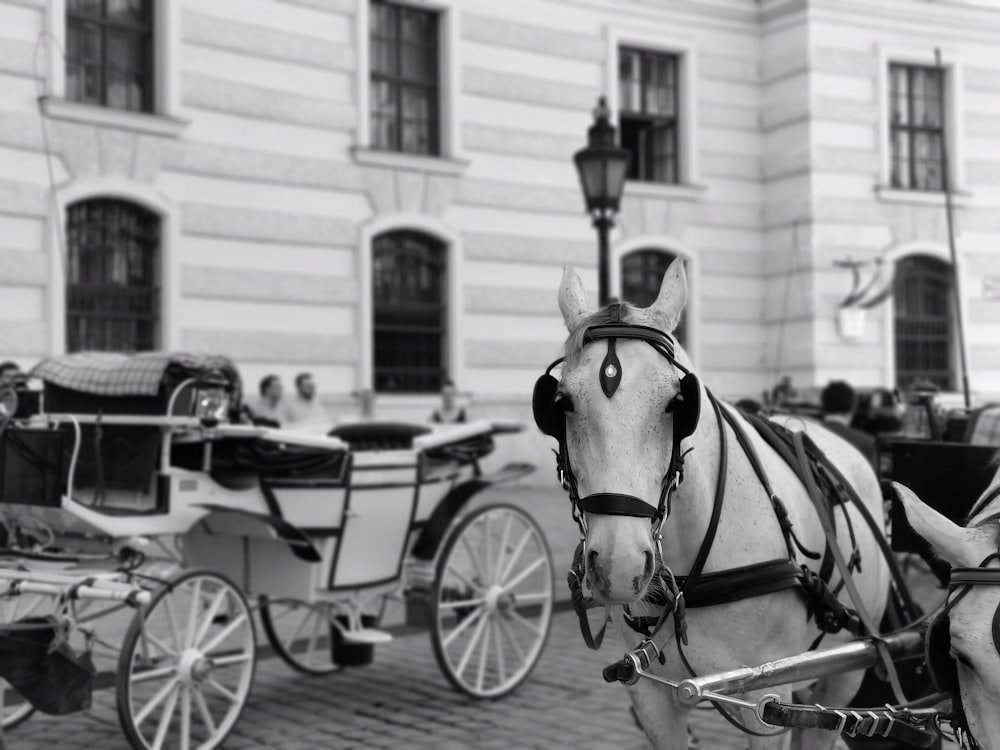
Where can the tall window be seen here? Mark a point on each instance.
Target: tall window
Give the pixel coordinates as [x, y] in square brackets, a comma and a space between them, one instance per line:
[404, 79]
[112, 294]
[648, 117]
[916, 127]
[924, 326]
[409, 278]
[109, 53]
[642, 274]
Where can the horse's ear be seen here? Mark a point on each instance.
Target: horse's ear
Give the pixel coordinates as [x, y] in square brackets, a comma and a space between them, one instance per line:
[958, 545]
[572, 299]
[669, 305]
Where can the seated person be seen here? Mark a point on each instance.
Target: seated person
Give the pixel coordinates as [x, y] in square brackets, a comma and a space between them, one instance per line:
[270, 409]
[839, 402]
[303, 406]
[10, 376]
[450, 412]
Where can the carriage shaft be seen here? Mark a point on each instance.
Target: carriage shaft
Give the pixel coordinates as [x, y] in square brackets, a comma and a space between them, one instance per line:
[791, 669]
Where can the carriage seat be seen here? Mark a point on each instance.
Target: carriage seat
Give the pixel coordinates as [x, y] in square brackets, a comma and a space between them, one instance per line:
[379, 436]
[241, 464]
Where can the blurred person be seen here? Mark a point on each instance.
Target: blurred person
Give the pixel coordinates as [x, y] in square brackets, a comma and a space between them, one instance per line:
[749, 406]
[271, 405]
[784, 392]
[303, 406]
[839, 401]
[10, 375]
[450, 412]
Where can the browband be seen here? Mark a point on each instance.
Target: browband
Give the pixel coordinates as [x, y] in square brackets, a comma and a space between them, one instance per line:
[628, 331]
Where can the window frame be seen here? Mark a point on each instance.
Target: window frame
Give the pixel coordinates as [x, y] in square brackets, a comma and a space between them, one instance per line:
[944, 341]
[431, 87]
[151, 224]
[911, 130]
[954, 109]
[646, 158]
[433, 374]
[143, 32]
[450, 158]
[662, 38]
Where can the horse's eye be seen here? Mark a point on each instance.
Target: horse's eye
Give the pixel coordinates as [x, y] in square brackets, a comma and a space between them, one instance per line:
[962, 659]
[563, 402]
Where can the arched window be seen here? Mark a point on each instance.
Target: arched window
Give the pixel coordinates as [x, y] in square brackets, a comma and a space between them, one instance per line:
[112, 289]
[923, 318]
[642, 274]
[409, 296]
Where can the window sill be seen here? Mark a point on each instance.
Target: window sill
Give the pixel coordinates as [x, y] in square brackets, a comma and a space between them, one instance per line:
[889, 194]
[409, 162]
[63, 109]
[661, 190]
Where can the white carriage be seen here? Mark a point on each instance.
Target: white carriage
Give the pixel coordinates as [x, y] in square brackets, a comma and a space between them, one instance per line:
[129, 462]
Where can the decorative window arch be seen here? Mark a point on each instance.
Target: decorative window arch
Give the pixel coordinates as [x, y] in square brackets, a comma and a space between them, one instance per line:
[409, 272]
[923, 314]
[641, 275]
[112, 276]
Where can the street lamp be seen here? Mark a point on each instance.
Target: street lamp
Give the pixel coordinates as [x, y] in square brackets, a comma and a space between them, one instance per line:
[602, 166]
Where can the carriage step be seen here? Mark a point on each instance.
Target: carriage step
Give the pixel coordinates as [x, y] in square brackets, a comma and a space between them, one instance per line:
[369, 636]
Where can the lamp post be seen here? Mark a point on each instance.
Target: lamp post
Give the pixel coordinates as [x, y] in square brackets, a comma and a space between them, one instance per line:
[602, 166]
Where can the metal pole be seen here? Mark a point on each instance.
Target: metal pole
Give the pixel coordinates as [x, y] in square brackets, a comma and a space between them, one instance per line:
[603, 224]
[946, 184]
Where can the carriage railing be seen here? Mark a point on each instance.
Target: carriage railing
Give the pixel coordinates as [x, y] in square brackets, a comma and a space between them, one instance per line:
[70, 585]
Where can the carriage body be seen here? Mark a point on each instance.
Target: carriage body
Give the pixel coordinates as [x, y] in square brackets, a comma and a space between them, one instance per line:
[311, 528]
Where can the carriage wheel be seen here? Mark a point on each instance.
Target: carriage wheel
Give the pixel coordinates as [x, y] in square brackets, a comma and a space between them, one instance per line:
[15, 709]
[492, 601]
[300, 633]
[187, 664]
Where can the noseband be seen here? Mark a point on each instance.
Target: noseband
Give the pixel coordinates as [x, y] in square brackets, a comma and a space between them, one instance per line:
[551, 418]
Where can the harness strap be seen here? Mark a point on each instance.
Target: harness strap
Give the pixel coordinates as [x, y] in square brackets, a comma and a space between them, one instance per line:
[779, 507]
[876, 722]
[802, 440]
[616, 504]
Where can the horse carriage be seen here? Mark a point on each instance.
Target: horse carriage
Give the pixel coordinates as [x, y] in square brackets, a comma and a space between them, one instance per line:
[134, 483]
[745, 561]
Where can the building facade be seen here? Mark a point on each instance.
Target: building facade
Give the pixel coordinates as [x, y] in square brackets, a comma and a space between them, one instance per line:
[382, 191]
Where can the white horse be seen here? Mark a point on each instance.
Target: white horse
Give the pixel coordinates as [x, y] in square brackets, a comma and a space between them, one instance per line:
[623, 444]
[975, 618]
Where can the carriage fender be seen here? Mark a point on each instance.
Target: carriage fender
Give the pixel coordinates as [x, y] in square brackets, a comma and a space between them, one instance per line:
[436, 528]
[296, 539]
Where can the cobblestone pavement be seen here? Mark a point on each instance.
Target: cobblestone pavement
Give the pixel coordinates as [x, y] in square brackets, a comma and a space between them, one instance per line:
[403, 700]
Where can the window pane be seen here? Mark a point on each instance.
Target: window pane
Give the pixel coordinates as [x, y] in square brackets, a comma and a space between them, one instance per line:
[384, 98]
[384, 57]
[416, 104]
[630, 81]
[83, 42]
[384, 19]
[416, 138]
[417, 64]
[126, 52]
[923, 321]
[84, 7]
[128, 11]
[384, 133]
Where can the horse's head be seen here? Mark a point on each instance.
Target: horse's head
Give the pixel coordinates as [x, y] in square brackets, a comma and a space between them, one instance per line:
[618, 395]
[975, 618]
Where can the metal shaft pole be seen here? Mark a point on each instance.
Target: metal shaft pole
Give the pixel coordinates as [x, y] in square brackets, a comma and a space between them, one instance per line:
[603, 223]
[946, 185]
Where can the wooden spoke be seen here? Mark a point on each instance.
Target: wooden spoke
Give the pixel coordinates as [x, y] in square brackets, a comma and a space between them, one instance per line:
[156, 700]
[224, 633]
[206, 715]
[168, 714]
[213, 610]
[463, 626]
[525, 573]
[471, 646]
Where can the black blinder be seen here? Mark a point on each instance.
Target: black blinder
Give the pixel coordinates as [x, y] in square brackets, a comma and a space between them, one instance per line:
[689, 409]
[548, 415]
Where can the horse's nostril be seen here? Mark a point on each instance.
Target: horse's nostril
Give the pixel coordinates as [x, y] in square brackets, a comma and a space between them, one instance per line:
[648, 572]
[591, 560]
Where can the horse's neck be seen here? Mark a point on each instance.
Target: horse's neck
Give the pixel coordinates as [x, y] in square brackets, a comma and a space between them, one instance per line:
[738, 540]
